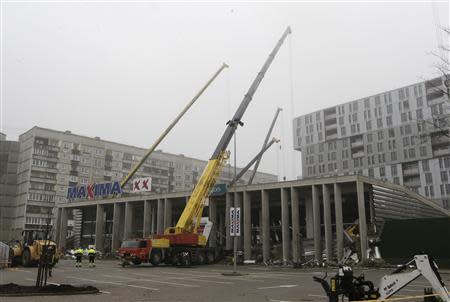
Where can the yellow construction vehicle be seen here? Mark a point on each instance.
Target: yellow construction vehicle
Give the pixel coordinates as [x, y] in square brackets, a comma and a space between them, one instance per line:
[29, 249]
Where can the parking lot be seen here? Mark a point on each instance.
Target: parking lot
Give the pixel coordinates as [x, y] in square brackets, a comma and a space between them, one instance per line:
[201, 283]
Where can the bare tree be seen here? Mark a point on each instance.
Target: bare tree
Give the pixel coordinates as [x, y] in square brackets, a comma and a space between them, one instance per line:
[439, 124]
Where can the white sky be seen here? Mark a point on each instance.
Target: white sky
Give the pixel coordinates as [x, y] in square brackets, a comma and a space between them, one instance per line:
[122, 71]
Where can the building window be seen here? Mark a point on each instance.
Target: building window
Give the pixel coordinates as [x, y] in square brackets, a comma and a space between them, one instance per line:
[394, 155]
[394, 170]
[428, 178]
[406, 141]
[369, 137]
[380, 135]
[425, 165]
[389, 120]
[382, 172]
[412, 153]
[423, 150]
[371, 172]
[343, 131]
[369, 148]
[419, 114]
[380, 147]
[419, 101]
[403, 117]
[369, 125]
[444, 176]
[389, 109]
[345, 164]
[379, 123]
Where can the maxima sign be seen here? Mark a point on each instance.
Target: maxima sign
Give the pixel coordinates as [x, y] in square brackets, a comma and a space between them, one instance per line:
[91, 191]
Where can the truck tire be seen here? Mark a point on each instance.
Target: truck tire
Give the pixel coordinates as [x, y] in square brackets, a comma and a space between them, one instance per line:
[210, 257]
[201, 258]
[155, 257]
[137, 262]
[26, 258]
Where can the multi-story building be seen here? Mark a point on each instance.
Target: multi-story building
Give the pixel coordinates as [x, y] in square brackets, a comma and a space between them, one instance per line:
[400, 135]
[9, 154]
[50, 161]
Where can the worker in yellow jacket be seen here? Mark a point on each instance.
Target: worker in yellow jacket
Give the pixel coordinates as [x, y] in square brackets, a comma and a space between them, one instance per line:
[91, 254]
[79, 256]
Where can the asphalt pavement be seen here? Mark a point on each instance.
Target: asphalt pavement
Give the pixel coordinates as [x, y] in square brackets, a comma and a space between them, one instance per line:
[199, 283]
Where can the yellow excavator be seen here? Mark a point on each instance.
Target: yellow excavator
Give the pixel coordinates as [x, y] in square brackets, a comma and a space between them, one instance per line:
[29, 249]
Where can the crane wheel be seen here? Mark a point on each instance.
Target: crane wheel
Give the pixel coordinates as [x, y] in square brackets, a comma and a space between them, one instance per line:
[26, 258]
[210, 257]
[155, 257]
[201, 258]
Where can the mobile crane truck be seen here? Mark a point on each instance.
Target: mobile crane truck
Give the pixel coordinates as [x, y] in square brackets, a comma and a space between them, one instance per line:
[183, 244]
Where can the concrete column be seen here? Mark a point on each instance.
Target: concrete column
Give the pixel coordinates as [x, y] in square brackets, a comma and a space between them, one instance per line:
[100, 228]
[160, 217]
[296, 254]
[309, 219]
[128, 223]
[285, 225]
[317, 234]
[247, 226]
[147, 225]
[154, 207]
[362, 219]
[213, 218]
[63, 228]
[115, 244]
[339, 221]
[221, 224]
[265, 224]
[327, 222]
[167, 213]
[228, 203]
[238, 204]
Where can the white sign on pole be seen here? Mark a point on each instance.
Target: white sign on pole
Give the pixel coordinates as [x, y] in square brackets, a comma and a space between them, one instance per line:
[142, 185]
[235, 221]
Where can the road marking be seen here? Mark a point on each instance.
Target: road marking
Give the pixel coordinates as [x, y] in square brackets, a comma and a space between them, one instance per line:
[34, 280]
[200, 280]
[318, 296]
[213, 276]
[24, 271]
[105, 292]
[279, 286]
[113, 283]
[151, 280]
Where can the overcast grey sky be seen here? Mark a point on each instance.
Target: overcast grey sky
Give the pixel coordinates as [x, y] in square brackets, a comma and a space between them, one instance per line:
[122, 71]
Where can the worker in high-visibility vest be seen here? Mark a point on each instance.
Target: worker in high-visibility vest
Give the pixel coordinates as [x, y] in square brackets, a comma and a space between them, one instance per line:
[79, 256]
[91, 254]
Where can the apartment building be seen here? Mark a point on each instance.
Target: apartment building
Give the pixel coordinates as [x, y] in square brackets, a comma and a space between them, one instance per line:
[50, 161]
[401, 136]
[9, 155]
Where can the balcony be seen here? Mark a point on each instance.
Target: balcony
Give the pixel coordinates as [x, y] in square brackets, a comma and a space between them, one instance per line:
[356, 144]
[440, 140]
[411, 171]
[358, 154]
[412, 183]
[439, 152]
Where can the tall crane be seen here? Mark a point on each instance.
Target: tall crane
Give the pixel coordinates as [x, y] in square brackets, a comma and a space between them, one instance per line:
[190, 218]
[174, 122]
[183, 244]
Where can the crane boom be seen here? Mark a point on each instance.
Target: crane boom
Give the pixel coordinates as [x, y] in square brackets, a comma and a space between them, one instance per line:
[174, 122]
[229, 131]
[190, 218]
[264, 145]
[256, 158]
